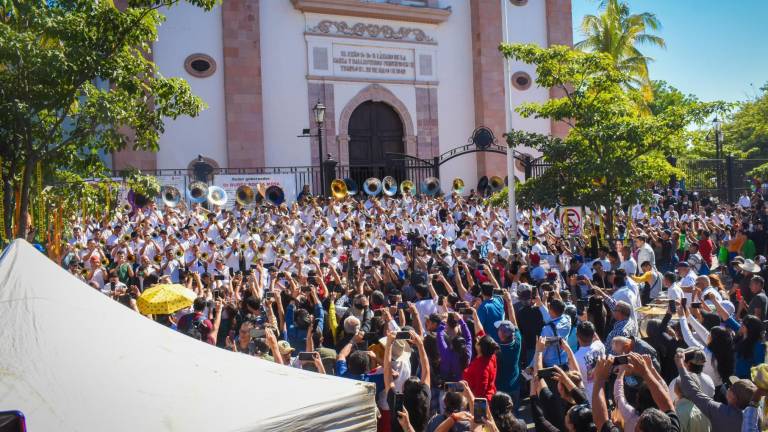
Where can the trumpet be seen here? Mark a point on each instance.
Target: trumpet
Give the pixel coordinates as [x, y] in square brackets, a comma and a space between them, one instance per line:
[158, 258]
[243, 246]
[307, 238]
[361, 245]
[368, 235]
[126, 238]
[84, 272]
[281, 251]
[78, 246]
[321, 239]
[125, 206]
[105, 262]
[271, 238]
[131, 258]
[179, 253]
[334, 253]
[313, 252]
[102, 242]
[261, 250]
[204, 256]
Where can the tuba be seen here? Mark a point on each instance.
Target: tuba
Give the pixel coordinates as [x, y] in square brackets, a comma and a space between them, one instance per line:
[496, 183]
[406, 187]
[458, 186]
[372, 186]
[217, 196]
[275, 195]
[339, 189]
[389, 184]
[430, 186]
[352, 188]
[245, 195]
[125, 206]
[197, 192]
[171, 196]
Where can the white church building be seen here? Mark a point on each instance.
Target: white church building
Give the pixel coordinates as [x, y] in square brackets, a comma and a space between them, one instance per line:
[395, 76]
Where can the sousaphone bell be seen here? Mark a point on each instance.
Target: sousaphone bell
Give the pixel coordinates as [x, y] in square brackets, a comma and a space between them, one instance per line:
[339, 189]
[372, 186]
[496, 183]
[352, 188]
[406, 187]
[275, 195]
[217, 196]
[197, 192]
[245, 195]
[171, 196]
[389, 186]
[430, 186]
[458, 186]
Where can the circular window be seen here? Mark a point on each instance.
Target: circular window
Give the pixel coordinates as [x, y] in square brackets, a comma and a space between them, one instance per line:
[200, 65]
[521, 80]
[519, 2]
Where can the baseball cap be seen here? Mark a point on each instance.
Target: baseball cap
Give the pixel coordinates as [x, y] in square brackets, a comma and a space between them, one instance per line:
[506, 328]
[284, 347]
[695, 356]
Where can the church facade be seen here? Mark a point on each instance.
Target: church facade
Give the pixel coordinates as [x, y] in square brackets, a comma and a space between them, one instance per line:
[396, 76]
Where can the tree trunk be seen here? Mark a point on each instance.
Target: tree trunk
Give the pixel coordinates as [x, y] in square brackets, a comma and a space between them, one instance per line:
[8, 204]
[26, 186]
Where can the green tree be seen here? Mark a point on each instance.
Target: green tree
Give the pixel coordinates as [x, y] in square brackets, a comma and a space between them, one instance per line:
[614, 148]
[618, 33]
[747, 127]
[74, 80]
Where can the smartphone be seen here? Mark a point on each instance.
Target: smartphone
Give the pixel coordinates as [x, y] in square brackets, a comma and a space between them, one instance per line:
[377, 312]
[620, 360]
[672, 306]
[454, 387]
[216, 294]
[551, 340]
[269, 295]
[498, 292]
[461, 305]
[695, 305]
[397, 403]
[307, 356]
[546, 373]
[581, 304]
[12, 421]
[466, 311]
[402, 305]
[683, 302]
[218, 277]
[480, 410]
[257, 332]
[403, 335]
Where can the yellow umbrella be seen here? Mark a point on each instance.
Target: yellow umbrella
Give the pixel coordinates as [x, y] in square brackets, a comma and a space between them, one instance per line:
[165, 299]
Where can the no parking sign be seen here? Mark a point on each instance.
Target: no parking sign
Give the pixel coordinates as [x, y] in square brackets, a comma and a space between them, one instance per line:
[571, 221]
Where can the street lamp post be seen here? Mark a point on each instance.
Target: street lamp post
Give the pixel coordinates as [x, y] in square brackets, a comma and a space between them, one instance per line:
[716, 124]
[319, 111]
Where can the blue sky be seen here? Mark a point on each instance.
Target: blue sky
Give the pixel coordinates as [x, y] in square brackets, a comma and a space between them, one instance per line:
[715, 49]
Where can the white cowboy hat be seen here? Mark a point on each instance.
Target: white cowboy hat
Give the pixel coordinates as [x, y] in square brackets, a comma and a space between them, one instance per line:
[749, 266]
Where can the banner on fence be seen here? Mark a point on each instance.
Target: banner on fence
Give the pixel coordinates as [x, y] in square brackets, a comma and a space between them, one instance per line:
[177, 181]
[230, 183]
[571, 221]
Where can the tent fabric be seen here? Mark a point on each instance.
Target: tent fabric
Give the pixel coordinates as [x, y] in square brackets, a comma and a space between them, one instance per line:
[75, 360]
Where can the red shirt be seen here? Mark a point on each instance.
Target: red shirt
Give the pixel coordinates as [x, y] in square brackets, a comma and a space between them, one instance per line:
[705, 249]
[481, 376]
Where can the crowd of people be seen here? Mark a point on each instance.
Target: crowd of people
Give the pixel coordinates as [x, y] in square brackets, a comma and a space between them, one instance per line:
[654, 325]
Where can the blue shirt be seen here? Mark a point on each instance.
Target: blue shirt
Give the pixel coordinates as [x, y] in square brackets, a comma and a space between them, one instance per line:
[489, 312]
[343, 371]
[508, 365]
[298, 337]
[553, 353]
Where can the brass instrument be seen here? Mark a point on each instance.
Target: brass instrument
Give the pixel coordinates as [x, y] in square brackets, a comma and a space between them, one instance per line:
[334, 253]
[496, 183]
[243, 246]
[271, 238]
[458, 186]
[321, 238]
[430, 186]
[372, 186]
[339, 189]
[179, 253]
[84, 272]
[281, 251]
[204, 256]
[217, 196]
[78, 246]
[197, 192]
[125, 206]
[245, 195]
[361, 245]
[368, 235]
[313, 252]
[389, 186]
[275, 195]
[406, 187]
[105, 262]
[158, 259]
[351, 186]
[261, 250]
[171, 196]
[131, 258]
[126, 237]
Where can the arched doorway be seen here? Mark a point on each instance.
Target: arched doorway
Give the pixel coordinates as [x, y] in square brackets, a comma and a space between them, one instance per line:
[375, 129]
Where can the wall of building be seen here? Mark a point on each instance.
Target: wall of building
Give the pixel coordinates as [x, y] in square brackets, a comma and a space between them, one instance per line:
[189, 30]
[527, 24]
[284, 84]
[456, 91]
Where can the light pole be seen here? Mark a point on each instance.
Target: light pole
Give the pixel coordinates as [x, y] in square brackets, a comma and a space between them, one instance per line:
[717, 126]
[319, 111]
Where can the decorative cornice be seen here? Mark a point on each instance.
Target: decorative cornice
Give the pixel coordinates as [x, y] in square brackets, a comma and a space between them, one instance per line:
[374, 31]
[388, 11]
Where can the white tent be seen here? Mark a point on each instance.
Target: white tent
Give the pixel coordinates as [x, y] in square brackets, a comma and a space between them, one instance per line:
[71, 359]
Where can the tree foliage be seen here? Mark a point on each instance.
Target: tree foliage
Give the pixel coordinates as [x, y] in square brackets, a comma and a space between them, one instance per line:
[74, 82]
[618, 33]
[747, 127]
[614, 147]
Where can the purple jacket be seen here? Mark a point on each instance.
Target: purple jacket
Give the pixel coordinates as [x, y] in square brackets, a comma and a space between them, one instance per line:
[451, 368]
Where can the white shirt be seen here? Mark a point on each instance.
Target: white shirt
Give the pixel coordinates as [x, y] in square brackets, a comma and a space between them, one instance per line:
[705, 383]
[629, 266]
[744, 201]
[426, 308]
[587, 358]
